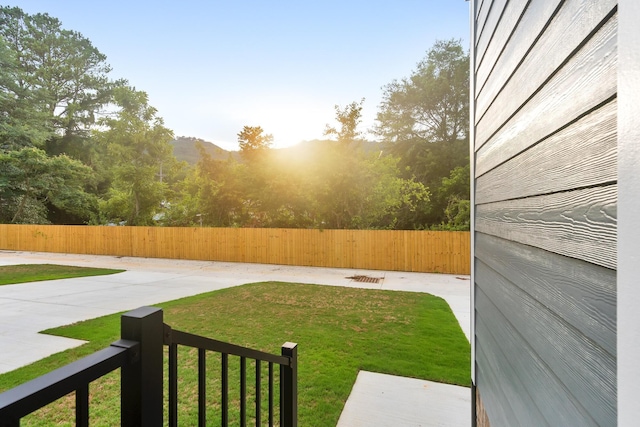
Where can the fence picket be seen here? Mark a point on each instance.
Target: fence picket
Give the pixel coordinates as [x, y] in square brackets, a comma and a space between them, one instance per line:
[398, 250]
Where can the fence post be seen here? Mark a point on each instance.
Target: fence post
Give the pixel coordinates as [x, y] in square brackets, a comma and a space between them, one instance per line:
[141, 382]
[289, 387]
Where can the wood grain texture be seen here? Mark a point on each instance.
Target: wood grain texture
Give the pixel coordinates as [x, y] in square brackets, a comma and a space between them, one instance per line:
[587, 80]
[407, 250]
[501, 372]
[511, 44]
[568, 29]
[579, 224]
[587, 372]
[496, 402]
[582, 294]
[547, 392]
[487, 34]
[583, 154]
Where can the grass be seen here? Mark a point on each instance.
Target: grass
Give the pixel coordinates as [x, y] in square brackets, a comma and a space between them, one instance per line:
[339, 331]
[12, 274]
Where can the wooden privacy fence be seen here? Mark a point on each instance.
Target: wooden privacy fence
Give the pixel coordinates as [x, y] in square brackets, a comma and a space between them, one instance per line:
[398, 250]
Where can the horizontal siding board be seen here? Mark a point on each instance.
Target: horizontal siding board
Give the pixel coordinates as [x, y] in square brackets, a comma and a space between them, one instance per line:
[568, 29]
[509, 48]
[582, 294]
[587, 372]
[515, 393]
[586, 81]
[487, 34]
[513, 12]
[549, 394]
[583, 154]
[493, 401]
[479, 5]
[579, 224]
[496, 402]
[483, 12]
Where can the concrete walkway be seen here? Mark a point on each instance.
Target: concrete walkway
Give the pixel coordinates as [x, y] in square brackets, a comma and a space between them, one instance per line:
[28, 308]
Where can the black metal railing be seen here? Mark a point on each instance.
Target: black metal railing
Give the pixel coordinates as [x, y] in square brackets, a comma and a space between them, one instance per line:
[139, 355]
[287, 362]
[26, 398]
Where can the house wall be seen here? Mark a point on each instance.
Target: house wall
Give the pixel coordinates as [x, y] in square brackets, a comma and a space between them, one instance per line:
[545, 139]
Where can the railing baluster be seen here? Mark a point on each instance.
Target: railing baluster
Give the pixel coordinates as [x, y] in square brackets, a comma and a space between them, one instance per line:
[282, 400]
[243, 392]
[82, 406]
[270, 394]
[258, 395]
[225, 390]
[173, 385]
[202, 387]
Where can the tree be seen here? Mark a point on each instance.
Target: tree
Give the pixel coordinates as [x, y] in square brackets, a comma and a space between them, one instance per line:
[253, 143]
[424, 120]
[22, 124]
[454, 194]
[349, 118]
[433, 104]
[359, 191]
[61, 71]
[30, 181]
[138, 154]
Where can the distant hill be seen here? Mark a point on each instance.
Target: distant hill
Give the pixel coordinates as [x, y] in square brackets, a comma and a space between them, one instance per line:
[184, 148]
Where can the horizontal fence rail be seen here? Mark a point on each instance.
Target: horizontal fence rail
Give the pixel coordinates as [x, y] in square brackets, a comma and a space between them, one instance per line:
[394, 250]
[287, 362]
[26, 398]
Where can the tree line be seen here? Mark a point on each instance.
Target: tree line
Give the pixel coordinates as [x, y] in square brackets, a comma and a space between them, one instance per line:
[78, 147]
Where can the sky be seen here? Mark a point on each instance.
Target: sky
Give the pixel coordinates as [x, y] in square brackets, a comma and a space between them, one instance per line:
[213, 67]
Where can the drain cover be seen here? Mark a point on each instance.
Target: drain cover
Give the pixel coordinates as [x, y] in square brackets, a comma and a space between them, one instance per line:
[366, 279]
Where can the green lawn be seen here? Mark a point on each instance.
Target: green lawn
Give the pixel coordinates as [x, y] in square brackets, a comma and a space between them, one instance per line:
[22, 273]
[339, 331]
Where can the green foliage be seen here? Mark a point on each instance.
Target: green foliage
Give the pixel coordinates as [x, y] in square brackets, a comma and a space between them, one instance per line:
[359, 191]
[138, 153]
[454, 193]
[30, 180]
[53, 83]
[62, 152]
[424, 119]
[349, 118]
[253, 143]
[60, 67]
[22, 123]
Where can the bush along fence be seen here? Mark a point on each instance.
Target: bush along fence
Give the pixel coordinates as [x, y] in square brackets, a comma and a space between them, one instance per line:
[395, 250]
[140, 355]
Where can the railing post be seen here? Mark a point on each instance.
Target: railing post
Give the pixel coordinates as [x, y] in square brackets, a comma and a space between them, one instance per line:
[142, 384]
[289, 387]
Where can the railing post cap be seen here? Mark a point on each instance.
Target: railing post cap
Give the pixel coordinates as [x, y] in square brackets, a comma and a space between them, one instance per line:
[290, 345]
[142, 312]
